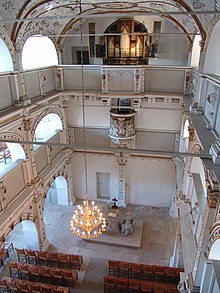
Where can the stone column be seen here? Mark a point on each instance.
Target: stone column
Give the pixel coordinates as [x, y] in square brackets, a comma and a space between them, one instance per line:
[3, 198]
[71, 197]
[31, 174]
[41, 231]
[23, 97]
[59, 79]
[179, 167]
[104, 81]
[121, 180]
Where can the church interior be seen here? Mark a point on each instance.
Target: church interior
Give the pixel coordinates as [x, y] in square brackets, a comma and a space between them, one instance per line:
[109, 146]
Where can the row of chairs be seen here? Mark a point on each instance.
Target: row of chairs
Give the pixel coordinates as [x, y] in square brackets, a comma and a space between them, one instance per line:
[23, 286]
[56, 276]
[151, 273]
[124, 285]
[52, 259]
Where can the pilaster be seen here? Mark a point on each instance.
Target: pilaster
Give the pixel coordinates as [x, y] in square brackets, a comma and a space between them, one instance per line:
[121, 180]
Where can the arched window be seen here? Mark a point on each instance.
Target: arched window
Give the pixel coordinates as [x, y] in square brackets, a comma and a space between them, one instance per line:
[196, 51]
[47, 128]
[212, 56]
[6, 61]
[38, 51]
[214, 252]
[10, 153]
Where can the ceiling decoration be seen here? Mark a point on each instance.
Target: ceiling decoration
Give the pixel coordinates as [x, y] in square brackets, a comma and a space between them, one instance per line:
[60, 15]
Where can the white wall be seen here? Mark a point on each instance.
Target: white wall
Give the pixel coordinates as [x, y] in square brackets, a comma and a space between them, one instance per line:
[149, 182]
[173, 48]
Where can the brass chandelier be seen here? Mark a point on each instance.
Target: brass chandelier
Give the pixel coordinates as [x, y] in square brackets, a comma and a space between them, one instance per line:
[87, 221]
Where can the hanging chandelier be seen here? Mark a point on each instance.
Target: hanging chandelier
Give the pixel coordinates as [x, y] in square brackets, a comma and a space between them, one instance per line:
[87, 221]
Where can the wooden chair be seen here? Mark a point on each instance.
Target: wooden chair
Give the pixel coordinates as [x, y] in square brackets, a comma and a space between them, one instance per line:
[32, 257]
[63, 261]
[21, 255]
[23, 271]
[133, 286]
[53, 259]
[46, 289]
[171, 288]
[159, 287]
[124, 269]
[171, 276]
[136, 271]
[35, 288]
[11, 286]
[74, 262]
[13, 269]
[147, 272]
[146, 286]
[109, 284]
[113, 267]
[69, 277]
[3, 286]
[23, 287]
[159, 274]
[42, 258]
[34, 274]
[121, 285]
[56, 276]
[45, 275]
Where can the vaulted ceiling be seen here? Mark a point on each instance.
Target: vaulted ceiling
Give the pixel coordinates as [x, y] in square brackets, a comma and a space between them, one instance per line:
[59, 16]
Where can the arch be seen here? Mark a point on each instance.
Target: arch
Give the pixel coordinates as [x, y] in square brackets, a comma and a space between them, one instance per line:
[10, 51]
[43, 50]
[55, 116]
[7, 136]
[22, 217]
[11, 152]
[212, 57]
[214, 243]
[58, 192]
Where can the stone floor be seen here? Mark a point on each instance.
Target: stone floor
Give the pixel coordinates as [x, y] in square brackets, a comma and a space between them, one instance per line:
[158, 237]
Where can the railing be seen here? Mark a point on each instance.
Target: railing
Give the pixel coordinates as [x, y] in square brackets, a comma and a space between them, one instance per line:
[43, 81]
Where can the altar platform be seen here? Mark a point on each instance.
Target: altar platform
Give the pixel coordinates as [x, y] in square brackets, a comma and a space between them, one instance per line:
[112, 234]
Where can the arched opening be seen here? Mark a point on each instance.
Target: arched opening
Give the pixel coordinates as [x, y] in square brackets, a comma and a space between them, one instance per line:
[55, 205]
[58, 192]
[47, 127]
[10, 154]
[43, 50]
[198, 168]
[212, 57]
[24, 235]
[6, 63]
[214, 251]
[196, 51]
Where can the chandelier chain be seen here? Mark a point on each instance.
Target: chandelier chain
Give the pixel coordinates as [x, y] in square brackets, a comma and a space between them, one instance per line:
[83, 101]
